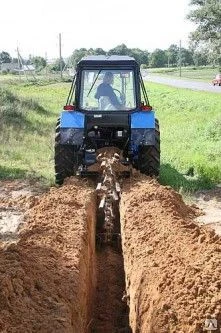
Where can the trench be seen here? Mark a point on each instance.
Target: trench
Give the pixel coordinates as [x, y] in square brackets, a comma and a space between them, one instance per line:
[110, 312]
[56, 272]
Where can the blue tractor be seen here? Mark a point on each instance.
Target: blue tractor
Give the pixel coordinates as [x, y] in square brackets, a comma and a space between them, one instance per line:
[107, 107]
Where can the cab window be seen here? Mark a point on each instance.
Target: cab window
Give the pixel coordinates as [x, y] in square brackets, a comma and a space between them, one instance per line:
[107, 89]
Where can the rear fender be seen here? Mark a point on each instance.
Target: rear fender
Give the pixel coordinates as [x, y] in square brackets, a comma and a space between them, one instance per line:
[72, 128]
[143, 128]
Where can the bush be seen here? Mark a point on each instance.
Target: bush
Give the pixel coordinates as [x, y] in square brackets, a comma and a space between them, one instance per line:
[213, 130]
[13, 72]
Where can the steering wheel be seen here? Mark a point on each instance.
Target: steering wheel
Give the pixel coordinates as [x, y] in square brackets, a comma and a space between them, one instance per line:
[121, 97]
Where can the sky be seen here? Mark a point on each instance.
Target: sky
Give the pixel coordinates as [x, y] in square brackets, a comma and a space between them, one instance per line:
[34, 26]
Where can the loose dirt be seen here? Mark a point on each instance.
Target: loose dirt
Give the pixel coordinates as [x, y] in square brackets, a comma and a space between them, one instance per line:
[47, 277]
[173, 267]
[53, 279]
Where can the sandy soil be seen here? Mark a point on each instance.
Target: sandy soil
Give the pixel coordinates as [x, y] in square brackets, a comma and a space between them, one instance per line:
[47, 275]
[53, 280]
[110, 313]
[173, 267]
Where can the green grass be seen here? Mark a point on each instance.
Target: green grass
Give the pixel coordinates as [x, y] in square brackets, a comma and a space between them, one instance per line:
[28, 116]
[192, 73]
[190, 133]
[190, 136]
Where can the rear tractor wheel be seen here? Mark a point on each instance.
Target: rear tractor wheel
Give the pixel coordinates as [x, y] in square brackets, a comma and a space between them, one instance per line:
[149, 156]
[66, 163]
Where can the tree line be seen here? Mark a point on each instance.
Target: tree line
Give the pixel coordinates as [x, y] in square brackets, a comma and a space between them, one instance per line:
[156, 59]
[205, 45]
[206, 14]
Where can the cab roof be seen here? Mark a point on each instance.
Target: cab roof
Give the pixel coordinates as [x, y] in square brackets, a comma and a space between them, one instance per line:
[102, 60]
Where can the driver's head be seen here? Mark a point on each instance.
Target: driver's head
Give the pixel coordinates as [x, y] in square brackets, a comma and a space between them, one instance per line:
[108, 78]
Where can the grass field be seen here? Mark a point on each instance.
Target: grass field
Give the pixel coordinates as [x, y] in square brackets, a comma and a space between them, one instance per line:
[28, 115]
[190, 133]
[192, 73]
[190, 136]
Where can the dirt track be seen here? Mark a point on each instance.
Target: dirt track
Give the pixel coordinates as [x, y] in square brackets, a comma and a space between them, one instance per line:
[53, 280]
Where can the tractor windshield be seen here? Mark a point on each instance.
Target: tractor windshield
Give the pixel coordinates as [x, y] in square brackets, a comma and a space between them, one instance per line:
[107, 89]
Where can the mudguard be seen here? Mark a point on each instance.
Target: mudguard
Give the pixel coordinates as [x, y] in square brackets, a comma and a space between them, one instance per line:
[72, 127]
[143, 128]
[143, 119]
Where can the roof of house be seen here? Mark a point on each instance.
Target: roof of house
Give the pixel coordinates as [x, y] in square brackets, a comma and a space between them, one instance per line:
[28, 68]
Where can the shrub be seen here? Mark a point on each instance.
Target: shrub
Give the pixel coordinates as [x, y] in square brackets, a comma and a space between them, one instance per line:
[213, 129]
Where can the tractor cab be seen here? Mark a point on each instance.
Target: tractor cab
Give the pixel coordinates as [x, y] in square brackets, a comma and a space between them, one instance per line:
[108, 87]
[107, 106]
[107, 84]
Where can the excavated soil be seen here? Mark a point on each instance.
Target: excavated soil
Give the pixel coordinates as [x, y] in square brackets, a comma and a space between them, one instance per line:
[52, 278]
[47, 276]
[172, 265]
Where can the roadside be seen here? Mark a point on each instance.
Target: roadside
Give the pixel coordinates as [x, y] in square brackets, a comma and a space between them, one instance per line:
[182, 83]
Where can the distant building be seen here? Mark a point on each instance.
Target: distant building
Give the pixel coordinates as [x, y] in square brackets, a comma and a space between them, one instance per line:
[9, 67]
[27, 69]
[13, 67]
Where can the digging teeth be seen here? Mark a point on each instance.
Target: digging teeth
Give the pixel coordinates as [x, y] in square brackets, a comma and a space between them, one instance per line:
[109, 190]
[98, 186]
[102, 203]
[117, 186]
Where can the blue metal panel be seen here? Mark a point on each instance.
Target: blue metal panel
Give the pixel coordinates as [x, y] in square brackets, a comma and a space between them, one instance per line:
[143, 119]
[72, 119]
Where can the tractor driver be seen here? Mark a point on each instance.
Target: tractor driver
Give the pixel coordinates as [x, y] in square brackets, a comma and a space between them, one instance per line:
[105, 89]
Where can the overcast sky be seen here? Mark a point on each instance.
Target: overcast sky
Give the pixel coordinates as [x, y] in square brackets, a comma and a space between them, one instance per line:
[34, 26]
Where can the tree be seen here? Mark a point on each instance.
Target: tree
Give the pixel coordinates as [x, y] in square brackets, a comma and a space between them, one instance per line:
[98, 51]
[186, 57]
[38, 62]
[76, 56]
[5, 57]
[14, 60]
[200, 58]
[142, 57]
[172, 54]
[158, 58]
[119, 50]
[207, 16]
[56, 66]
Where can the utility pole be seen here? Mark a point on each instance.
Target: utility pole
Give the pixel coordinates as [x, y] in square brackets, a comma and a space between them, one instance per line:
[18, 64]
[46, 67]
[60, 55]
[180, 59]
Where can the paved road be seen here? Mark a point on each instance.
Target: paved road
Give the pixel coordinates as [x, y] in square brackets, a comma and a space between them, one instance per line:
[193, 85]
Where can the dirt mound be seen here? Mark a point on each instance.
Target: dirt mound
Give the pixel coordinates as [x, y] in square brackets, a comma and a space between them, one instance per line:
[173, 266]
[47, 277]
